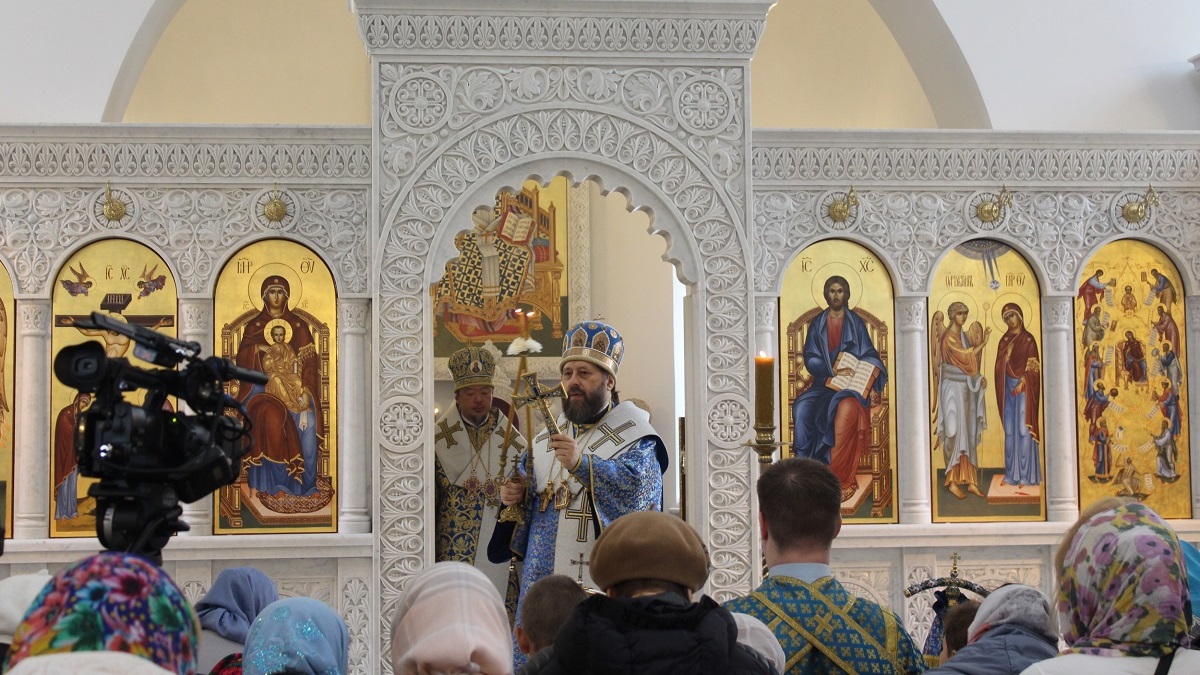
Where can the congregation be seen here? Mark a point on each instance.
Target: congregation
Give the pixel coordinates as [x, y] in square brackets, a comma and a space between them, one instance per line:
[1122, 606]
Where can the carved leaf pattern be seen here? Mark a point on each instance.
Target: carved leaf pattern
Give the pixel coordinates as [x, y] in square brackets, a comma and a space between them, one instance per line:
[710, 97]
[356, 609]
[559, 34]
[1056, 231]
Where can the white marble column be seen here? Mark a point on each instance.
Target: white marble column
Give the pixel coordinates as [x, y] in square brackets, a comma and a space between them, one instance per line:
[1058, 398]
[1192, 335]
[195, 325]
[354, 410]
[31, 461]
[910, 372]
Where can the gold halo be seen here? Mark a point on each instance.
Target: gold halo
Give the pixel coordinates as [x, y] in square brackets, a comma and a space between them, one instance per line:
[967, 299]
[1004, 299]
[254, 286]
[836, 269]
[287, 330]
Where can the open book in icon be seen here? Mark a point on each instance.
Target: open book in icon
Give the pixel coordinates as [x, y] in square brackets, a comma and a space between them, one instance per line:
[860, 380]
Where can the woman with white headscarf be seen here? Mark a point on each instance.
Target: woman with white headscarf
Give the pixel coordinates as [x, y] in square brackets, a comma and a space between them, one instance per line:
[450, 621]
[1013, 629]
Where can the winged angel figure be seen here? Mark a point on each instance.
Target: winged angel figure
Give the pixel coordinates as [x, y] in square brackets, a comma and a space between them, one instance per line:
[959, 413]
[82, 283]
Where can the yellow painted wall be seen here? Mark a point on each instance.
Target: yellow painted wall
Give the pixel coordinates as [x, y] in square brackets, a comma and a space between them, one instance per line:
[833, 64]
[257, 62]
[821, 64]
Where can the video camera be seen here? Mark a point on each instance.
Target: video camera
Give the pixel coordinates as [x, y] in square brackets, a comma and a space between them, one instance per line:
[149, 458]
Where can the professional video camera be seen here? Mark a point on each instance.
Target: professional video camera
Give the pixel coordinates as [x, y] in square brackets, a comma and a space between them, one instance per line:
[148, 458]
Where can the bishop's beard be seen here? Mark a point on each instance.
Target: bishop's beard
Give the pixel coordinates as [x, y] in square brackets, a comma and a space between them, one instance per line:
[582, 411]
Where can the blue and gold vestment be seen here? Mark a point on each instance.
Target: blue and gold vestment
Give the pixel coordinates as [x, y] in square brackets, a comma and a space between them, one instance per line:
[825, 629]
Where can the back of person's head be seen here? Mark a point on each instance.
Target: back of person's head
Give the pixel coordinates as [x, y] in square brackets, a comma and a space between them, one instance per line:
[451, 620]
[800, 499]
[1102, 504]
[93, 663]
[545, 608]
[119, 602]
[955, 622]
[753, 633]
[1122, 586]
[235, 599]
[17, 593]
[648, 552]
[1015, 604]
[296, 635]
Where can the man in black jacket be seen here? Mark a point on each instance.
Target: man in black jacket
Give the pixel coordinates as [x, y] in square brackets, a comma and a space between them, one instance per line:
[648, 564]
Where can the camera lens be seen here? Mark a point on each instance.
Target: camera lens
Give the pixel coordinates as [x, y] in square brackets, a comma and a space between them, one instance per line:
[81, 366]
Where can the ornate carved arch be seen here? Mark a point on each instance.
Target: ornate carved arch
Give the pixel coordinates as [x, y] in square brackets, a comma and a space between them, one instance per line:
[675, 140]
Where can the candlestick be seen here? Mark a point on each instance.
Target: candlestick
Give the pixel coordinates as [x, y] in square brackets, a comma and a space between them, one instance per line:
[764, 390]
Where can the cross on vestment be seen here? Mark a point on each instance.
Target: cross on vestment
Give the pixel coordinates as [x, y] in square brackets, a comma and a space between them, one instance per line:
[584, 515]
[825, 625]
[580, 564]
[447, 433]
[540, 399]
[510, 441]
[610, 434]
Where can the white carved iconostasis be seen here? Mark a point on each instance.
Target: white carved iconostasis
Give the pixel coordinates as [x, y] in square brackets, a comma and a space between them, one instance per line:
[191, 204]
[654, 109]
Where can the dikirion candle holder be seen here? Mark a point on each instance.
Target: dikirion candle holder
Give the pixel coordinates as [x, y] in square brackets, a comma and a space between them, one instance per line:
[764, 443]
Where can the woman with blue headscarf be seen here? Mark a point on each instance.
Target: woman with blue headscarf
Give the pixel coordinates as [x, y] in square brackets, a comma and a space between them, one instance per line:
[228, 609]
[297, 635]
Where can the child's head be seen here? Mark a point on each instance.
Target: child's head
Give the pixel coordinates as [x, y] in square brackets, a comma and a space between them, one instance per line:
[955, 622]
[547, 604]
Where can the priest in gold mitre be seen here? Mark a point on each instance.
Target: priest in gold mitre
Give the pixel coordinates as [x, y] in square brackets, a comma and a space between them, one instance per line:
[475, 449]
[606, 462]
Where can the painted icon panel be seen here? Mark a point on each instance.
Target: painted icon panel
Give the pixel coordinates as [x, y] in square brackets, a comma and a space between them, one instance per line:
[1131, 379]
[139, 289]
[276, 312]
[512, 257]
[986, 411]
[836, 342]
[7, 400]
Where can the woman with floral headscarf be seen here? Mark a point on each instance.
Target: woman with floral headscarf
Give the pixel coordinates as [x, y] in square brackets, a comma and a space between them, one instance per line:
[1123, 597]
[297, 635]
[108, 602]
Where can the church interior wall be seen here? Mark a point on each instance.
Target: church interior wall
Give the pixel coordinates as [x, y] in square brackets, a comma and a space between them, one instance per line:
[762, 195]
[798, 167]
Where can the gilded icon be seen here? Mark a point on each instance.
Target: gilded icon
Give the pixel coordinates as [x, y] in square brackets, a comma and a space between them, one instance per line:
[1131, 379]
[985, 386]
[276, 307]
[91, 281]
[512, 259]
[836, 341]
[7, 336]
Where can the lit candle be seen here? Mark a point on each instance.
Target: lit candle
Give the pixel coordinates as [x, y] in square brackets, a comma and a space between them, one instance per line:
[523, 323]
[764, 390]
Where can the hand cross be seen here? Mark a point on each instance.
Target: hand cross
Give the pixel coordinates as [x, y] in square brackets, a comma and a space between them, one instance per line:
[540, 399]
